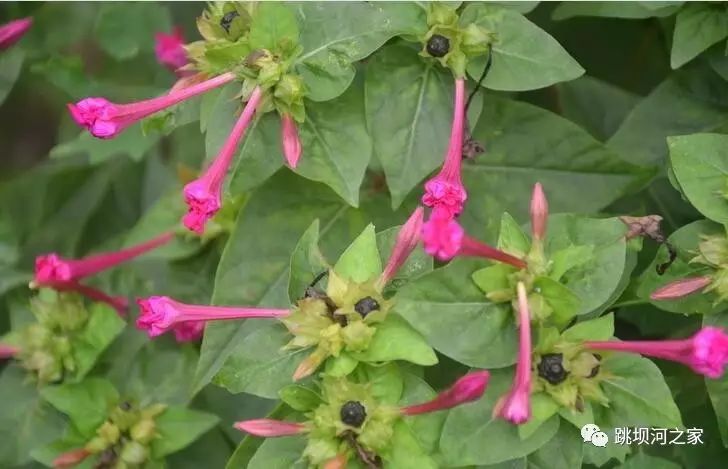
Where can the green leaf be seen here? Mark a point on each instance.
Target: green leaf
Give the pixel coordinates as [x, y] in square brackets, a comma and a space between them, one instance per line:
[397, 340]
[578, 173]
[360, 262]
[563, 451]
[26, 421]
[336, 145]
[87, 403]
[456, 319]
[643, 460]
[697, 27]
[258, 365]
[425, 427]
[254, 267]
[595, 280]
[341, 365]
[638, 395]
[685, 240]
[11, 63]
[125, 29]
[307, 262]
[103, 326]
[564, 301]
[178, 427]
[511, 237]
[543, 407]
[299, 397]
[406, 452]
[386, 381]
[410, 133]
[601, 328]
[568, 258]
[274, 27]
[132, 142]
[336, 35]
[210, 450]
[700, 164]
[524, 56]
[631, 10]
[279, 453]
[468, 426]
[698, 99]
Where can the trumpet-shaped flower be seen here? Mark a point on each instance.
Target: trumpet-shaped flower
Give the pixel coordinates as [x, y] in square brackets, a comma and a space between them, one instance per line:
[466, 389]
[290, 140]
[681, 288]
[11, 32]
[407, 239]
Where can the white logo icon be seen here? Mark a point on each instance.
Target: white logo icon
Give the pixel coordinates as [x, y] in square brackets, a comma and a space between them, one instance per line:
[592, 434]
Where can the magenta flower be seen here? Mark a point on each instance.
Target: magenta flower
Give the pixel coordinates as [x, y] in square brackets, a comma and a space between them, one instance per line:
[407, 239]
[706, 352]
[516, 405]
[539, 212]
[442, 235]
[681, 288]
[204, 195]
[291, 141]
[159, 314]
[119, 303]
[51, 269]
[170, 49]
[466, 389]
[446, 190]
[105, 119]
[11, 32]
[8, 351]
[270, 428]
[189, 331]
[471, 247]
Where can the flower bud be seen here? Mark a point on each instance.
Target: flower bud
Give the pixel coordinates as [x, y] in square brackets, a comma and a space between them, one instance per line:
[143, 431]
[539, 212]
[134, 453]
[680, 288]
[70, 458]
[109, 432]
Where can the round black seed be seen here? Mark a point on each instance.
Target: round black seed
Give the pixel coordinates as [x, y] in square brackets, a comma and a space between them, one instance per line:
[594, 371]
[366, 305]
[125, 406]
[353, 413]
[551, 368]
[438, 45]
[227, 20]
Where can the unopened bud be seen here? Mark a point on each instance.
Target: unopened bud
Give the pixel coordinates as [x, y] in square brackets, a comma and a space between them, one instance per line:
[143, 431]
[680, 288]
[539, 212]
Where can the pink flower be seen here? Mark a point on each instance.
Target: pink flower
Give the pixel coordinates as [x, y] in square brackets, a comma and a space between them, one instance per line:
[473, 248]
[70, 458]
[442, 235]
[170, 49]
[407, 239]
[539, 212]
[159, 314]
[706, 352]
[11, 32]
[119, 303]
[516, 405]
[189, 331]
[291, 142]
[270, 428]
[466, 389]
[340, 461]
[204, 195]
[8, 351]
[105, 119]
[51, 269]
[680, 288]
[446, 190]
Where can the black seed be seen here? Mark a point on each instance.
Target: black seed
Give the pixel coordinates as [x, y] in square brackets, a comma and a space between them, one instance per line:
[227, 20]
[125, 406]
[438, 45]
[594, 371]
[551, 368]
[366, 305]
[353, 413]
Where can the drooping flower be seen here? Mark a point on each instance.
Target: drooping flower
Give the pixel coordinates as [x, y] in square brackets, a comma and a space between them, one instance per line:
[446, 190]
[706, 352]
[159, 314]
[270, 427]
[70, 458]
[51, 269]
[105, 119]
[204, 195]
[8, 351]
[442, 235]
[466, 389]
[170, 50]
[11, 32]
[516, 405]
[290, 140]
[539, 212]
[681, 288]
[189, 331]
[407, 239]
